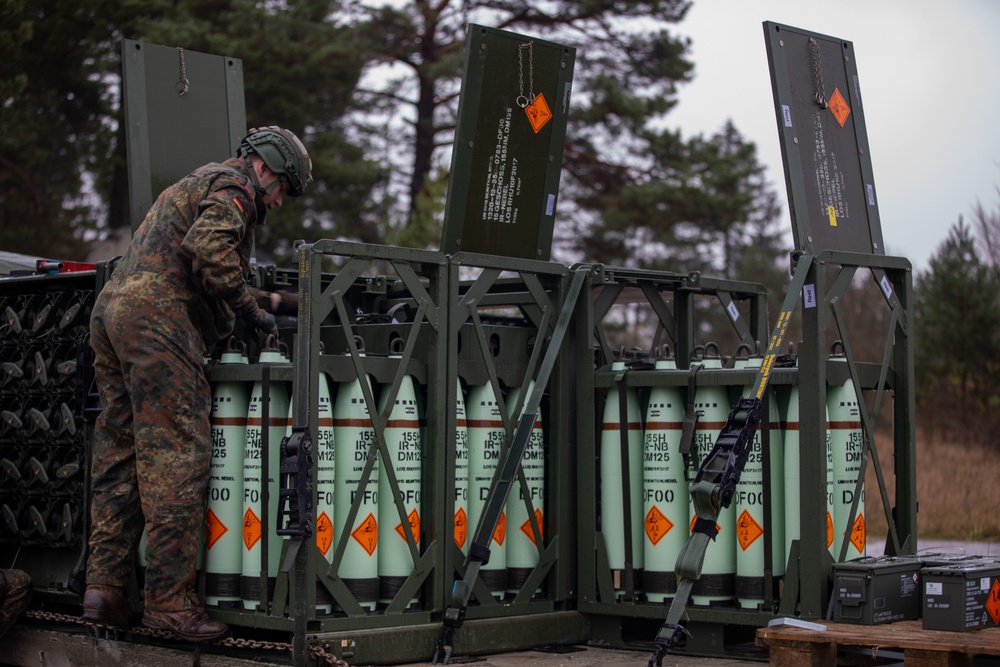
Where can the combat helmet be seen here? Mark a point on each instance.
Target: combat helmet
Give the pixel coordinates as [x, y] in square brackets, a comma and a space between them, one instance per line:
[283, 154]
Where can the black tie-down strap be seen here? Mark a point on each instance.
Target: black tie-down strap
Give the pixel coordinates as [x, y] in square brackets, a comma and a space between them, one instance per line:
[726, 461]
[712, 491]
[715, 484]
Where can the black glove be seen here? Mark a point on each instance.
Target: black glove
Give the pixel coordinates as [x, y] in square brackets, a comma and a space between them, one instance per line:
[256, 318]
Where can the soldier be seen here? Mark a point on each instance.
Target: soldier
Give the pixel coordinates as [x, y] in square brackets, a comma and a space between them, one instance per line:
[177, 291]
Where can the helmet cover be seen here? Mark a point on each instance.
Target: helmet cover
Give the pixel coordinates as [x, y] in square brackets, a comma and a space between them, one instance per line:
[283, 154]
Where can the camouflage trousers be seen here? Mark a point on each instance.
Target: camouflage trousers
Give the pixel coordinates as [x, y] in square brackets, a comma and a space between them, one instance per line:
[15, 594]
[151, 448]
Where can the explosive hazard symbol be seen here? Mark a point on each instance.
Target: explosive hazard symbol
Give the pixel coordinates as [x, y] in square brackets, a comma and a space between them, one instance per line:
[858, 533]
[414, 520]
[539, 113]
[526, 527]
[461, 527]
[324, 532]
[838, 107]
[366, 534]
[656, 524]
[829, 529]
[500, 533]
[747, 530]
[251, 528]
[993, 602]
[214, 528]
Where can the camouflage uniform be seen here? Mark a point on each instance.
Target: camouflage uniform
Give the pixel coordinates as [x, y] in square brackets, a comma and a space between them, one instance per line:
[15, 594]
[173, 295]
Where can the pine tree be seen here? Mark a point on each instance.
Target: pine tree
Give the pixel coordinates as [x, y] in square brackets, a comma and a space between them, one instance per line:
[632, 192]
[957, 319]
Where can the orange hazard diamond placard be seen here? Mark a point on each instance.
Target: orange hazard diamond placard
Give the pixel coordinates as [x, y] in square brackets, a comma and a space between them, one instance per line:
[366, 534]
[526, 527]
[747, 530]
[858, 533]
[656, 524]
[251, 528]
[324, 532]
[838, 107]
[214, 528]
[539, 113]
[414, 520]
[829, 529]
[461, 527]
[993, 602]
[500, 534]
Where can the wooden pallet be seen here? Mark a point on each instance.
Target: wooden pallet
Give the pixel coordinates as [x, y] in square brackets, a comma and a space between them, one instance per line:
[797, 647]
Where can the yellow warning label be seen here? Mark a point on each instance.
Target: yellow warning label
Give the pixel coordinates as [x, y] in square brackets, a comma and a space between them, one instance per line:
[831, 213]
[500, 534]
[214, 528]
[858, 533]
[829, 529]
[993, 602]
[251, 528]
[838, 107]
[656, 524]
[366, 534]
[414, 520]
[539, 113]
[461, 527]
[324, 532]
[747, 530]
[526, 527]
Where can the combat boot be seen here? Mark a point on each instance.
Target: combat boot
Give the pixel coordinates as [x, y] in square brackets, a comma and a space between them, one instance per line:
[107, 605]
[15, 594]
[191, 624]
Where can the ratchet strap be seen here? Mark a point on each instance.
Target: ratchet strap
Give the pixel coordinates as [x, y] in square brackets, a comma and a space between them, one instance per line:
[715, 483]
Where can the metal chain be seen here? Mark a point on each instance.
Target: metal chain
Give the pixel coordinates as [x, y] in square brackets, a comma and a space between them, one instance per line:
[523, 101]
[817, 72]
[183, 85]
[319, 653]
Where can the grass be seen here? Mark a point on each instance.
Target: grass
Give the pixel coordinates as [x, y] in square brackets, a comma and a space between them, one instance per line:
[958, 487]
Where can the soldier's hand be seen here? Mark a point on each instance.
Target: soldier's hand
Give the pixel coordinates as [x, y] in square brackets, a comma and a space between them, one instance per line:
[260, 320]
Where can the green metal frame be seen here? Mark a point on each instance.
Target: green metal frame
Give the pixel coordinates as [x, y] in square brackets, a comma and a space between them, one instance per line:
[714, 628]
[482, 329]
[416, 280]
[895, 372]
[807, 589]
[484, 318]
[614, 284]
[536, 294]
[837, 230]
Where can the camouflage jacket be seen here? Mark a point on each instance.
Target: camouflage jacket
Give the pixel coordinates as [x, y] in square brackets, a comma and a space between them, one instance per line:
[191, 254]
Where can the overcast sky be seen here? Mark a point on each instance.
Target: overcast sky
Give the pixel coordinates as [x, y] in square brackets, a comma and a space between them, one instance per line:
[930, 81]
